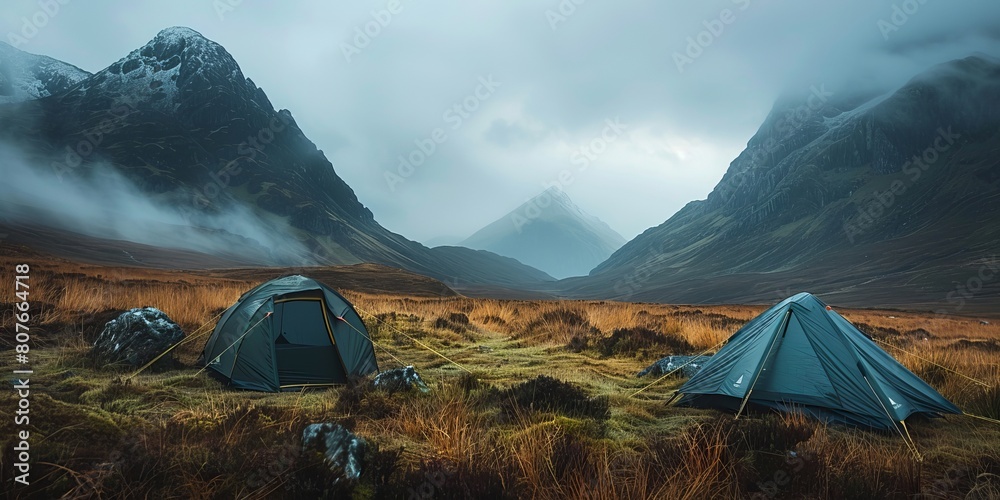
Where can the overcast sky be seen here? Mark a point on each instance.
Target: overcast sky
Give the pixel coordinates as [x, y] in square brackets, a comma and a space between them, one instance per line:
[559, 77]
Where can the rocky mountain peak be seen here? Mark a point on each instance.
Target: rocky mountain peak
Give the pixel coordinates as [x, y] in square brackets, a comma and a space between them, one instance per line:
[179, 72]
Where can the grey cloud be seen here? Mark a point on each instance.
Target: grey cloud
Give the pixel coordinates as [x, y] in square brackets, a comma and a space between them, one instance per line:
[605, 60]
[505, 134]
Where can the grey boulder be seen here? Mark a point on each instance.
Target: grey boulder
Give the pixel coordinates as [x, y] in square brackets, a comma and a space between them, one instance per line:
[400, 379]
[341, 448]
[136, 337]
[670, 363]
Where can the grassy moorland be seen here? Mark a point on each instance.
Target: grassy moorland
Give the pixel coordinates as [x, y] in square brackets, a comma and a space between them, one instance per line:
[545, 410]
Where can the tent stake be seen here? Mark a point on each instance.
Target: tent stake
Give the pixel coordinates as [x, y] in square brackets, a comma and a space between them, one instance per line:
[673, 397]
[743, 404]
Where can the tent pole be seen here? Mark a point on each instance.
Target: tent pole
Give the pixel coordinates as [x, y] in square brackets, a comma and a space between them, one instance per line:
[909, 444]
[743, 404]
[912, 442]
[216, 359]
[774, 339]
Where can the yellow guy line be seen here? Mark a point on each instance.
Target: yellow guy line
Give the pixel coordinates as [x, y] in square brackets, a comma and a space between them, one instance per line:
[415, 341]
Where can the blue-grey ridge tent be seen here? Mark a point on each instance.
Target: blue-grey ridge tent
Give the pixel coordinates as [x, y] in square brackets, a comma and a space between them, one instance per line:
[800, 355]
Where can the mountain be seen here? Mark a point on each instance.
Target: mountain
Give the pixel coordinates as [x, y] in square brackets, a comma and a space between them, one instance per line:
[178, 122]
[443, 240]
[551, 233]
[871, 200]
[25, 76]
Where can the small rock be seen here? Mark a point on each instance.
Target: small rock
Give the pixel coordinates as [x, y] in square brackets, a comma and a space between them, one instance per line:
[669, 363]
[136, 337]
[341, 448]
[400, 379]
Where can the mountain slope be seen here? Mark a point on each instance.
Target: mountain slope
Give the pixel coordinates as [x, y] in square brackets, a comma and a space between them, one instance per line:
[25, 76]
[177, 119]
[551, 233]
[835, 203]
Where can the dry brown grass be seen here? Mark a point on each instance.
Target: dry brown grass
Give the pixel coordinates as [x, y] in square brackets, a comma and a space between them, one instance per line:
[184, 303]
[187, 436]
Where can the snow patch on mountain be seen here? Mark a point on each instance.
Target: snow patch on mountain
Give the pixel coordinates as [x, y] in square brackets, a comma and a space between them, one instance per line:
[158, 71]
[25, 76]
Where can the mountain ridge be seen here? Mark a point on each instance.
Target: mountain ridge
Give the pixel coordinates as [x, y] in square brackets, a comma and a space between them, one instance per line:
[25, 76]
[782, 213]
[196, 134]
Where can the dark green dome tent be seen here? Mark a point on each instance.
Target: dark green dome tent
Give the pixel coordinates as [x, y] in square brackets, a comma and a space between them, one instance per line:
[290, 333]
[801, 355]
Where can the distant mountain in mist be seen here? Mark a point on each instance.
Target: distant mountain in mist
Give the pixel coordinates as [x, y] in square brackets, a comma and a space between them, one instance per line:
[186, 136]
[441, 241]
[549, 232]
[870, 200]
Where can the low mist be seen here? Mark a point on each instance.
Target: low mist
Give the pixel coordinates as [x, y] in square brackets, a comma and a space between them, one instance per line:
[99, 202]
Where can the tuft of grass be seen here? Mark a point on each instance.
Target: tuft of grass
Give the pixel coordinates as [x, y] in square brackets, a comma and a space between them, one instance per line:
[633, 341]
[544, 393]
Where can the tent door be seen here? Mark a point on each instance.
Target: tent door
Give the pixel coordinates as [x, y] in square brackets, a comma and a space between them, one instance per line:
[305, 352]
